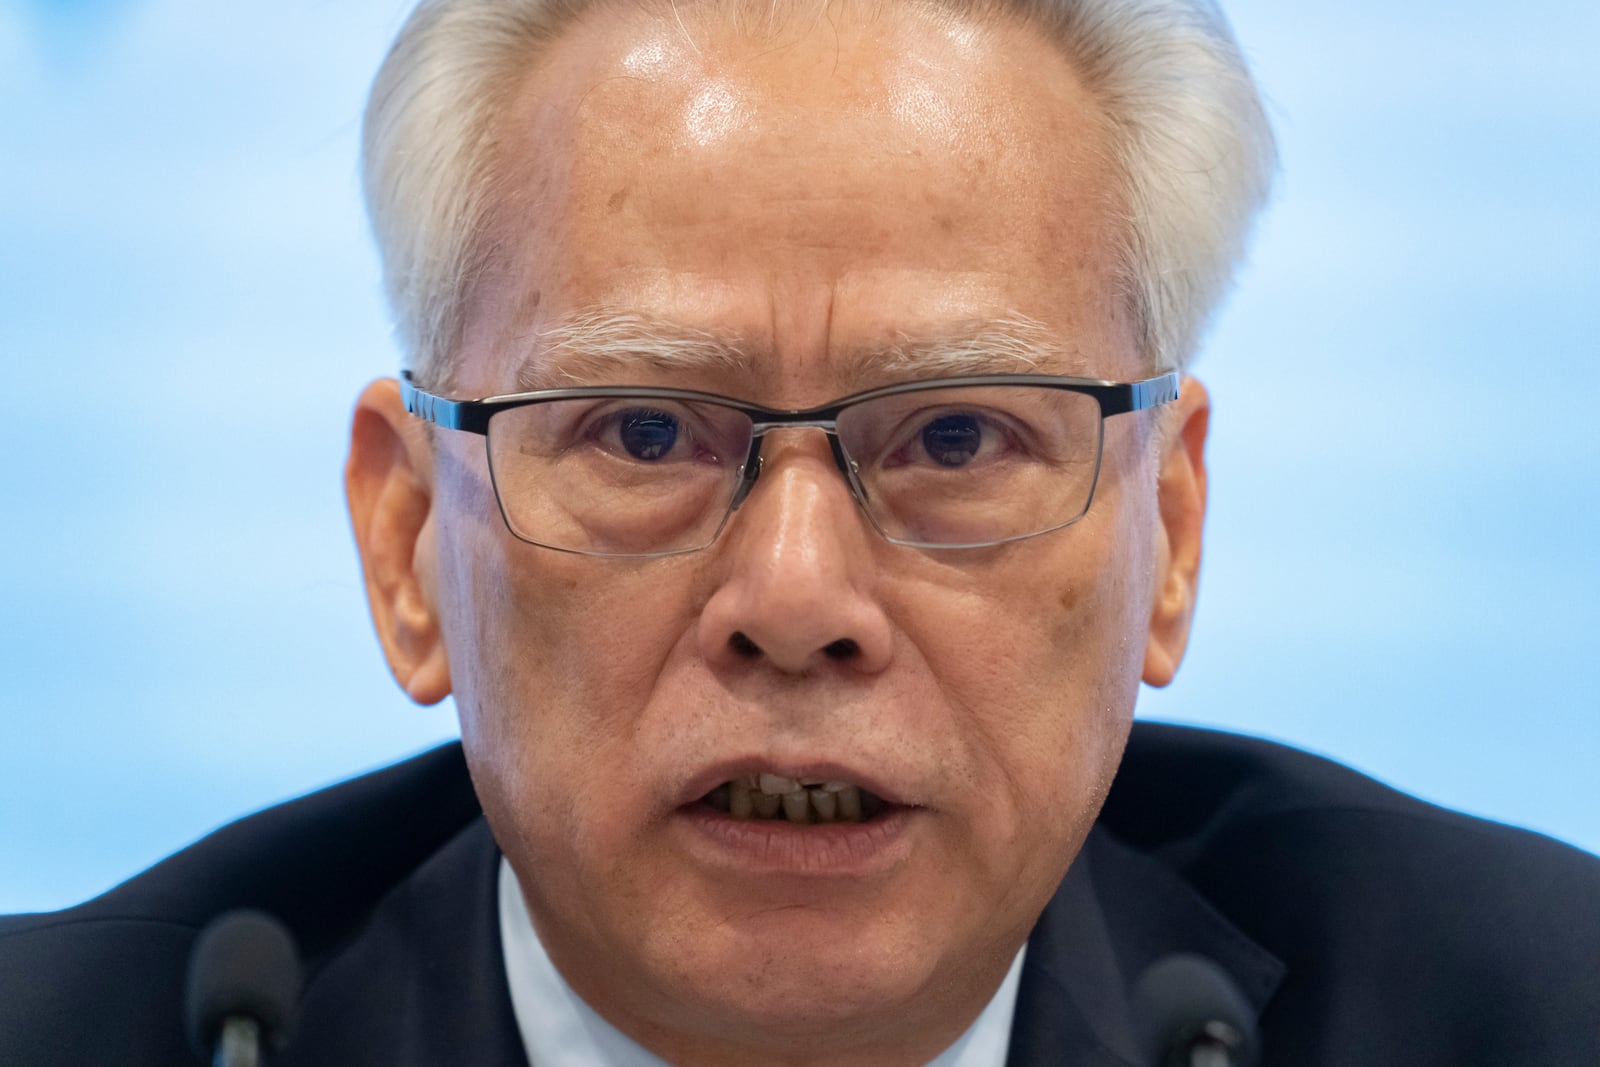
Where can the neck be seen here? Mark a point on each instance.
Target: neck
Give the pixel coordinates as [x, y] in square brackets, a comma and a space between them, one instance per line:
[931, 1028]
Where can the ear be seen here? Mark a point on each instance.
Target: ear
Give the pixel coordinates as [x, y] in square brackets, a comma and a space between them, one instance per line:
[1181, 491]
[387, 483]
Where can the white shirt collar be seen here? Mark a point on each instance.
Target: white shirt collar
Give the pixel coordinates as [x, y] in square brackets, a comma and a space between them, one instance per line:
[559, 1030]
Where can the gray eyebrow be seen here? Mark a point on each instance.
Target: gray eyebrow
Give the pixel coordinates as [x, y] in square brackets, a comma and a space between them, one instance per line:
[606, 346]
[1010, 345]
[603, 346]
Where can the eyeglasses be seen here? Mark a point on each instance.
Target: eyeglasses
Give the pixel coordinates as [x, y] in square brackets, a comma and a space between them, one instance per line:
[944, 463]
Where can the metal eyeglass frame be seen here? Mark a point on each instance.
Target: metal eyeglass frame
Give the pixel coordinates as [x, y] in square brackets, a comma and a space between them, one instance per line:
[472, 416]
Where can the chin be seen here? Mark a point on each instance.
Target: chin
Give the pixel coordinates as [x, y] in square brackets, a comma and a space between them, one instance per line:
[797, 972]
[807, 1002]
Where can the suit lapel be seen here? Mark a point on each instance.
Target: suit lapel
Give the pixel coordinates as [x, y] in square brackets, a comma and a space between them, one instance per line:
[1116, 912]
[423, 981]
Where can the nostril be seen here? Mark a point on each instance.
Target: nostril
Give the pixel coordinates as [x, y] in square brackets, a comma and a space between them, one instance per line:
[743, 645]
[844, 648]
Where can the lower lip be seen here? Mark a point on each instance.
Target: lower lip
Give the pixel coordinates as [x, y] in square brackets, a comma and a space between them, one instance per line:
[773, 846]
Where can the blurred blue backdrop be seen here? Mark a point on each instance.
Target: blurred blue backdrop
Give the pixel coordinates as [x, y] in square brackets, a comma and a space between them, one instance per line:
[1402, 564]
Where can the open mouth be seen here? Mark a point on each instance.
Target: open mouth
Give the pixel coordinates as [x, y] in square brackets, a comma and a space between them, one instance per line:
[801, 801]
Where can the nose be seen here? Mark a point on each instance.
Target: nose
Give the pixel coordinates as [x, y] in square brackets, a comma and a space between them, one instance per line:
[797, 589]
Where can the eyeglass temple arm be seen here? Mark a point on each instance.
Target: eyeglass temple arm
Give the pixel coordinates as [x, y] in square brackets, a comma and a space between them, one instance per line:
[1137, 396]
[471, 416]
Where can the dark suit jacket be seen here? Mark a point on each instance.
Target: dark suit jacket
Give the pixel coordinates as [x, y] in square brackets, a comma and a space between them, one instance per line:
[1366, 928]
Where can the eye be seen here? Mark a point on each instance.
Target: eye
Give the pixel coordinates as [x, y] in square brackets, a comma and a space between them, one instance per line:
[646, 434]
[953, 440]
[934, 438]
[654, 433]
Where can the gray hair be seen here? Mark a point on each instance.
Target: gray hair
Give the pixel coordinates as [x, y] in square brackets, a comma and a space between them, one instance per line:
[1194, 151]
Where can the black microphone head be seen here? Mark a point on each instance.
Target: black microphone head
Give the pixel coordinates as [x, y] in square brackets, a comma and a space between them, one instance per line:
[243, 963]
[1185, 1001]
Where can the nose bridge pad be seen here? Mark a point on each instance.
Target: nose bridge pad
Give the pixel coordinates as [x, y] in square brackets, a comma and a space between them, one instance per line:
[748, 476]
[753, 462]
[847, 467]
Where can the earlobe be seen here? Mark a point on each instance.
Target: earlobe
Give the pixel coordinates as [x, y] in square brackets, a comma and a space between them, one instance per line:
[1181, 489]
[389, 493]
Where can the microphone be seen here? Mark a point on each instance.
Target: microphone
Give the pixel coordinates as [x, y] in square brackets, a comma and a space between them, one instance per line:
[1189, 1013]
[243, 981]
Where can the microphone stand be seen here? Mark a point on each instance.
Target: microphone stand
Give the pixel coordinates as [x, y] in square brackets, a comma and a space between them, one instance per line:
[1189, 1013]
[242, 986]
[239, 1044]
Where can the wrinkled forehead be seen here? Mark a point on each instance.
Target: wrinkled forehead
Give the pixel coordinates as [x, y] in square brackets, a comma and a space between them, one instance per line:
[905, 170]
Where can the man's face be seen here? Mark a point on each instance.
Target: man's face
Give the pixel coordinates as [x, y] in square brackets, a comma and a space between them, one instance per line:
[816, 197]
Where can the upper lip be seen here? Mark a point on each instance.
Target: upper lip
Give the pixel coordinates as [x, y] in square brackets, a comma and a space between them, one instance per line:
[714, 775]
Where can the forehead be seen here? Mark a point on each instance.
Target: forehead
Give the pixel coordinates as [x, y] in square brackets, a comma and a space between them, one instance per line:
[805, 189]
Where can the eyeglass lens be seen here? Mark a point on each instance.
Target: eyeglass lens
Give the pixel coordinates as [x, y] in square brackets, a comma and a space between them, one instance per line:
[970, 465]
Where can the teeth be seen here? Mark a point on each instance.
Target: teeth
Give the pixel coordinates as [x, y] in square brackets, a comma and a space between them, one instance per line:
[850, 804]
[826, 804]
[766, 805]
[740, 804]
[801, 801]
[796, 807]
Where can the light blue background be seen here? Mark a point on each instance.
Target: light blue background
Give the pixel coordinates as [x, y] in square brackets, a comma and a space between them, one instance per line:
[1402, 566]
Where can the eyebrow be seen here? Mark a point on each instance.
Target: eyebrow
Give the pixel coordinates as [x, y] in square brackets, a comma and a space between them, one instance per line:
[1013, 344]
[604, 346]
[601, 345]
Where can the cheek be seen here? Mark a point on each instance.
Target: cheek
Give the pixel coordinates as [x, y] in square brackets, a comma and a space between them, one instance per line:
[549, 653]
[1042, 667]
